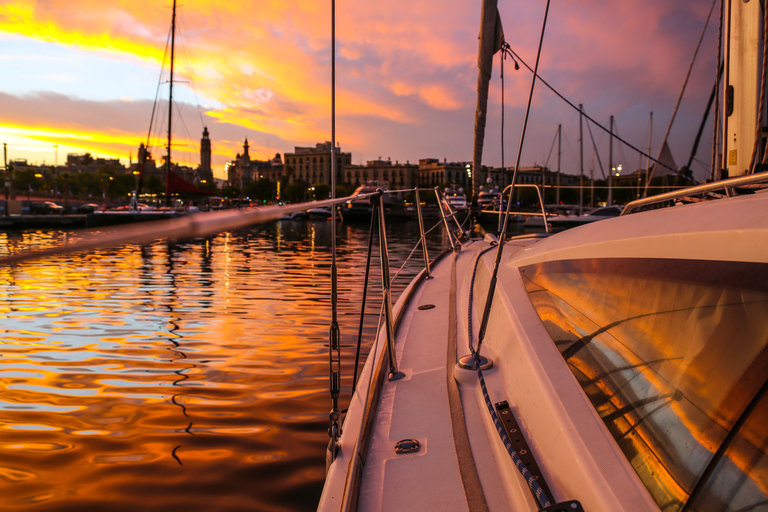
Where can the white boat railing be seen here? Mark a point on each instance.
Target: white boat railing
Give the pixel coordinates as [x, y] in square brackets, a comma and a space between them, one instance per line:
[728, 184]
[541, 202]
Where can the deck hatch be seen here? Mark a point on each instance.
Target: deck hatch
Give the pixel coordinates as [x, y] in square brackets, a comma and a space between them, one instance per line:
[520, 445]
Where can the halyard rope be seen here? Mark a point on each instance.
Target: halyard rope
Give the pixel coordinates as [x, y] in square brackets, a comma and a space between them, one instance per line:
[535, 488]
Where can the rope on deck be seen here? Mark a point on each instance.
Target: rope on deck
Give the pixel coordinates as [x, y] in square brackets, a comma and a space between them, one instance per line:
[534, 487]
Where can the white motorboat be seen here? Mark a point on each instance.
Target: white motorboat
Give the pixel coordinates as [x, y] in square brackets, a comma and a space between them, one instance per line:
[617, 366]
[489, 199]
[361, 209]
[456, 198]
[569, 221]
[323, 213]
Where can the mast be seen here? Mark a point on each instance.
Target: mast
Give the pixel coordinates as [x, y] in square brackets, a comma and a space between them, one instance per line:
[610, 166]
[650, 135]
[7, 177]
[491, 40]
[592, 180]
[557, 189]
[170, 112]
[581, 159]
[743, 105]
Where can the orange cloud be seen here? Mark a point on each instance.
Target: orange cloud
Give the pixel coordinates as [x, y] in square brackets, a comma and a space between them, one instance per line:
[401, 72]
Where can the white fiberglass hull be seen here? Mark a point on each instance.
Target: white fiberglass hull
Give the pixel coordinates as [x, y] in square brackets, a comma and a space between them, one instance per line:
[462, 463]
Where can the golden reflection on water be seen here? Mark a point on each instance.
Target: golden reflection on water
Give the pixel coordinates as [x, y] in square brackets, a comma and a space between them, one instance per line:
[182, 375]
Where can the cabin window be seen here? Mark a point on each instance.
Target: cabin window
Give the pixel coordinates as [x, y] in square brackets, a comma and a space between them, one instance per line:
[671, 353]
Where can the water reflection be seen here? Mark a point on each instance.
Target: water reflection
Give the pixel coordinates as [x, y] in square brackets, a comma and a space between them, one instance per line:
[189, 374]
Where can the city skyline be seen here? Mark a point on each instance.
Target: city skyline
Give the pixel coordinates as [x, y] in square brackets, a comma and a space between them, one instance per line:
[84, 77]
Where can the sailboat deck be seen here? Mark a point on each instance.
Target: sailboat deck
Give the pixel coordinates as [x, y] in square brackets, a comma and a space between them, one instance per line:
[420, 406]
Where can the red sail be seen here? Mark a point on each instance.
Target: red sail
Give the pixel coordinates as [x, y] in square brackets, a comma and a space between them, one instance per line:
[176, 185]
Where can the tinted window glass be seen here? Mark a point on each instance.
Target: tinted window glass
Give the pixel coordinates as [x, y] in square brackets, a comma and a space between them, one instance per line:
[739, 481]
[670, 352]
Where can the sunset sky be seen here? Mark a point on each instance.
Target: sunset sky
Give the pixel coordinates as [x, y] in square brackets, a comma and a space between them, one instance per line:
[83, 75]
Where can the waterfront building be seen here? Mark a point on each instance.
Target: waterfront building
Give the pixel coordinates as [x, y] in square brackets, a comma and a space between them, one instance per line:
[242, 170]
[433, 173]
[87, 163]
[392, 175]
[149, 168]
[313, 165]
[239, 172]
[271, 170]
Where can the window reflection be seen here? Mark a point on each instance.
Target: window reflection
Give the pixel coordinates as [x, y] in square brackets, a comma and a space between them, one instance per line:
[670, 353]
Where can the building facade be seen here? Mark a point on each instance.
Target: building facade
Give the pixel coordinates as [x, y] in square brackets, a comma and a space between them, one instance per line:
[433, 172]
[239, 172]
[243, 171]
[271, 170]
[313, 165]
[392, 175]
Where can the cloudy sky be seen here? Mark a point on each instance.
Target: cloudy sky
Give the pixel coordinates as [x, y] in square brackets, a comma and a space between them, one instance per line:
[84, 74]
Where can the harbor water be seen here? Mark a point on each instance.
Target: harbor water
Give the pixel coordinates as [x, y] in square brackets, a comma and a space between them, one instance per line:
[183, 375]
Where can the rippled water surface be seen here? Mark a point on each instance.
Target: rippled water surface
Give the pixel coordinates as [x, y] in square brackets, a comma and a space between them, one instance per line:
[187, 375]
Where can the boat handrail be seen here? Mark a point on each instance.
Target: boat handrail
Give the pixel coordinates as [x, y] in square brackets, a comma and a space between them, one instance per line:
[541, 202]
[698, 189]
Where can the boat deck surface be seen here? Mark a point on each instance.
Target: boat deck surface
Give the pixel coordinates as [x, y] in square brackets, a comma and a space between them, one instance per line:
[462, 463]
[442, 474]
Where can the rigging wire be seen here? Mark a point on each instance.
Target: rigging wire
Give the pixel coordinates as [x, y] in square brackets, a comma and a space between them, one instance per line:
[716, 122]
[503, 57]
[185, 55]
[533, 485]
[606, 130]
[680, 98]
[502, 235]
[185, 130]
[597, 153]
[365, 295]
[151, 119]
[334, 344]
[761, 105]
[621, 148]
[551, 148]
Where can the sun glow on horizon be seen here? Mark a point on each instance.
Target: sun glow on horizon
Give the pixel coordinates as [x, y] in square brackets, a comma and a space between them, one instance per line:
[405, 85]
